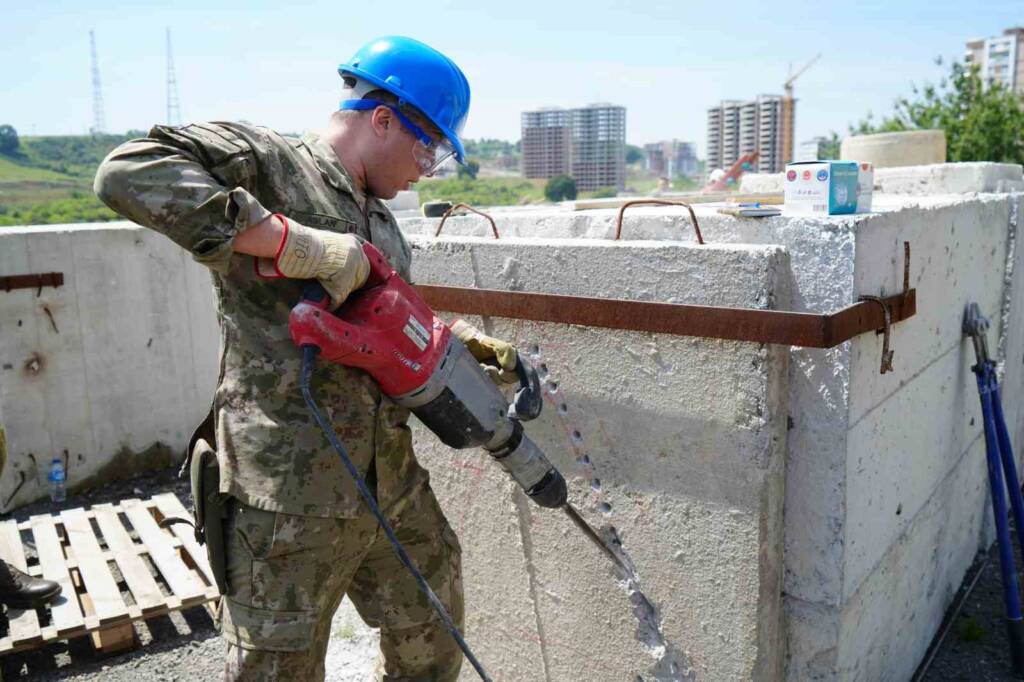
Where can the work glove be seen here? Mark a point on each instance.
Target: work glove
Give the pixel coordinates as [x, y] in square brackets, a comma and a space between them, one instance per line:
[498, 357]
[336, 260]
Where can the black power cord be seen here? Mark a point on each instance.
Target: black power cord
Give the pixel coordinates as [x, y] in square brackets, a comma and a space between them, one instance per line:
[309, 353]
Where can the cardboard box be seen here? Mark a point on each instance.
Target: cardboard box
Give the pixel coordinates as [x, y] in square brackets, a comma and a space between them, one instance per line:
[821, 187]
[865, 186]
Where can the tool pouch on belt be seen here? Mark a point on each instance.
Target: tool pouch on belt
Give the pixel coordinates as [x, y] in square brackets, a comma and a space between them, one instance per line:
[208, 504]
[209, 507]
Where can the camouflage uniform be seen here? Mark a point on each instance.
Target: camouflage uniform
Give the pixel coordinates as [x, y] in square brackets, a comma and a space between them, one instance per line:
[298, 536]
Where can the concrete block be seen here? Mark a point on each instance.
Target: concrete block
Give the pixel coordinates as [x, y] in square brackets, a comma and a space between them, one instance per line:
[960, 257]
[757, 183]
[693, 486]
[882, 637]
[812, 640]
[1010, 346]
[950, 178]
[894, 471]
[110, 371]
[405, 200]
[821, 280]
[851, 461]
[937, 178]
[903, 148]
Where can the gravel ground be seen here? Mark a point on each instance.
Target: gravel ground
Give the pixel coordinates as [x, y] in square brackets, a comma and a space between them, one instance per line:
[185, 645]
[976, 646]
[179, 646]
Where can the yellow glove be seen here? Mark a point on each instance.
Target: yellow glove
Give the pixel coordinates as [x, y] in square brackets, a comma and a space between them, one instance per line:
[337, 260]
[486, 348]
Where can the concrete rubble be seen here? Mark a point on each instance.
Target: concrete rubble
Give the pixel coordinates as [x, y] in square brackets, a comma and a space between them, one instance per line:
[791, 512]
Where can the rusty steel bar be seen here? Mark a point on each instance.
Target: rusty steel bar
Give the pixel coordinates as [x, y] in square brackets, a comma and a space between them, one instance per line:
[447, 213]
[657, 202]
[812, 330]
[36, 281]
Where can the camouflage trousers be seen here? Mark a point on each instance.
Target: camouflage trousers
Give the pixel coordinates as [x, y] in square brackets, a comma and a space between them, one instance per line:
[287, 575]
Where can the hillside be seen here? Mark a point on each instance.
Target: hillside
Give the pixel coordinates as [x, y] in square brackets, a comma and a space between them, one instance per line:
[49, 180]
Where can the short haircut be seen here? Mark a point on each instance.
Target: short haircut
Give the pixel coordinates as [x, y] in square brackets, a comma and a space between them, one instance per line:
[414, 114]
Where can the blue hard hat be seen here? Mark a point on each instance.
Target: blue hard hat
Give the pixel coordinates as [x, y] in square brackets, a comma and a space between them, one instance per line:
[420, 76]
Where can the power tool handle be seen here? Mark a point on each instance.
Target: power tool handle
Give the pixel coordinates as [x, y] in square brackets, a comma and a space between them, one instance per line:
[314, 293]
[528, 401]
[380, 269]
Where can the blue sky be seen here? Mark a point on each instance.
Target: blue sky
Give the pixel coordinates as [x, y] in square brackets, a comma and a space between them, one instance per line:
[274, 63]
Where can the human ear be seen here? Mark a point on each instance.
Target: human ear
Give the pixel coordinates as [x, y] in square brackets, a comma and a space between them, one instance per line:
[381, 120]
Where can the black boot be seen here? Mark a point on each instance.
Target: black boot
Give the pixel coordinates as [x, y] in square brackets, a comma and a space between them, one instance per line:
[21, 591]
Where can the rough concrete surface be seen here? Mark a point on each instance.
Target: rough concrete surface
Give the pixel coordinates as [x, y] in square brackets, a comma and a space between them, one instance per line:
[115, 366]
[939, 178]
[693, 487]
[901, 148]
[852, 463]
[950, 178]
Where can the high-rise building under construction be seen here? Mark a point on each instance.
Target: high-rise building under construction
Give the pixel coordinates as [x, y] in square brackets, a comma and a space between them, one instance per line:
[546, 143]
[736, 128]
[587, 143]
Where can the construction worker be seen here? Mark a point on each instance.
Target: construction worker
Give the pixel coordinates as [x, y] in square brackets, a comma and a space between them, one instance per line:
[265, 212]
[18, 589]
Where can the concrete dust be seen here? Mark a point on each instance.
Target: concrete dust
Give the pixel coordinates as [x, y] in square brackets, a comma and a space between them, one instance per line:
[671, 664]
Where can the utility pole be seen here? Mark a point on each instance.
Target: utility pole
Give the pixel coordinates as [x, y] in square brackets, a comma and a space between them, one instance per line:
[173, 106]
[99, 126]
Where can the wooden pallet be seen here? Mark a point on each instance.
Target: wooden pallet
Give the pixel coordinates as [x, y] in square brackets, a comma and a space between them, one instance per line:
[163, 570]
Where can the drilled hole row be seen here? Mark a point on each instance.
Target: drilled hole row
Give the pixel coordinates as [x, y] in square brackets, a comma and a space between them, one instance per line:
[576, 440]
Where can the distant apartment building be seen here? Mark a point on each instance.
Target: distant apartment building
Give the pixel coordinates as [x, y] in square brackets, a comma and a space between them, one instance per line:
[1000, 58]
[671, 158]
[546, 143]
[599, 147]
[736, 128]
[587, 143]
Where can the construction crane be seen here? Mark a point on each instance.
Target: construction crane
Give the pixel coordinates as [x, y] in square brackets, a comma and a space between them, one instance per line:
[788, 110]
[788, 86]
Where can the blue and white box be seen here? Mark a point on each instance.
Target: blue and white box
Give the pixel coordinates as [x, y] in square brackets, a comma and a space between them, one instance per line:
[821, 187]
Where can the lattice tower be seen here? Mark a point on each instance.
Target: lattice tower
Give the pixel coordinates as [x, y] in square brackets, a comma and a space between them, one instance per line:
[173, 105]
[98, 123]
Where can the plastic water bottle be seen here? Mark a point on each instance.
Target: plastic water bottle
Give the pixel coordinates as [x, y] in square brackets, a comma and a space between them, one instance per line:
[58, 489]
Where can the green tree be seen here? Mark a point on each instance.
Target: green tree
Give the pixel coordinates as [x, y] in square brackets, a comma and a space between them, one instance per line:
[8, 140]
[830, 150]
[559, 188]
[982, 121]
[470, 170]
[634, 154]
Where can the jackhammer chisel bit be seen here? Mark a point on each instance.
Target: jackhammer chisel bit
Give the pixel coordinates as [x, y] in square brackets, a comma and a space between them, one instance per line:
[595, 538]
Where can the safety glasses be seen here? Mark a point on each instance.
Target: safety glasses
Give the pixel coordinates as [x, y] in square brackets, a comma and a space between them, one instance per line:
[428, 153]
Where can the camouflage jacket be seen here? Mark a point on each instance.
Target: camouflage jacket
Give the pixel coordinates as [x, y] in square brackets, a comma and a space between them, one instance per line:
[200, 185]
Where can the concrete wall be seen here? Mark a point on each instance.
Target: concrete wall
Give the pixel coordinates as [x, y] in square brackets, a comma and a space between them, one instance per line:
[684, 440]
[939, 178]
[115, 367]
[877, 513]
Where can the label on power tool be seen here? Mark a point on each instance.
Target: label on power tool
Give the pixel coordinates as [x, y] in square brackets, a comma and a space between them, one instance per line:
[416, 332]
